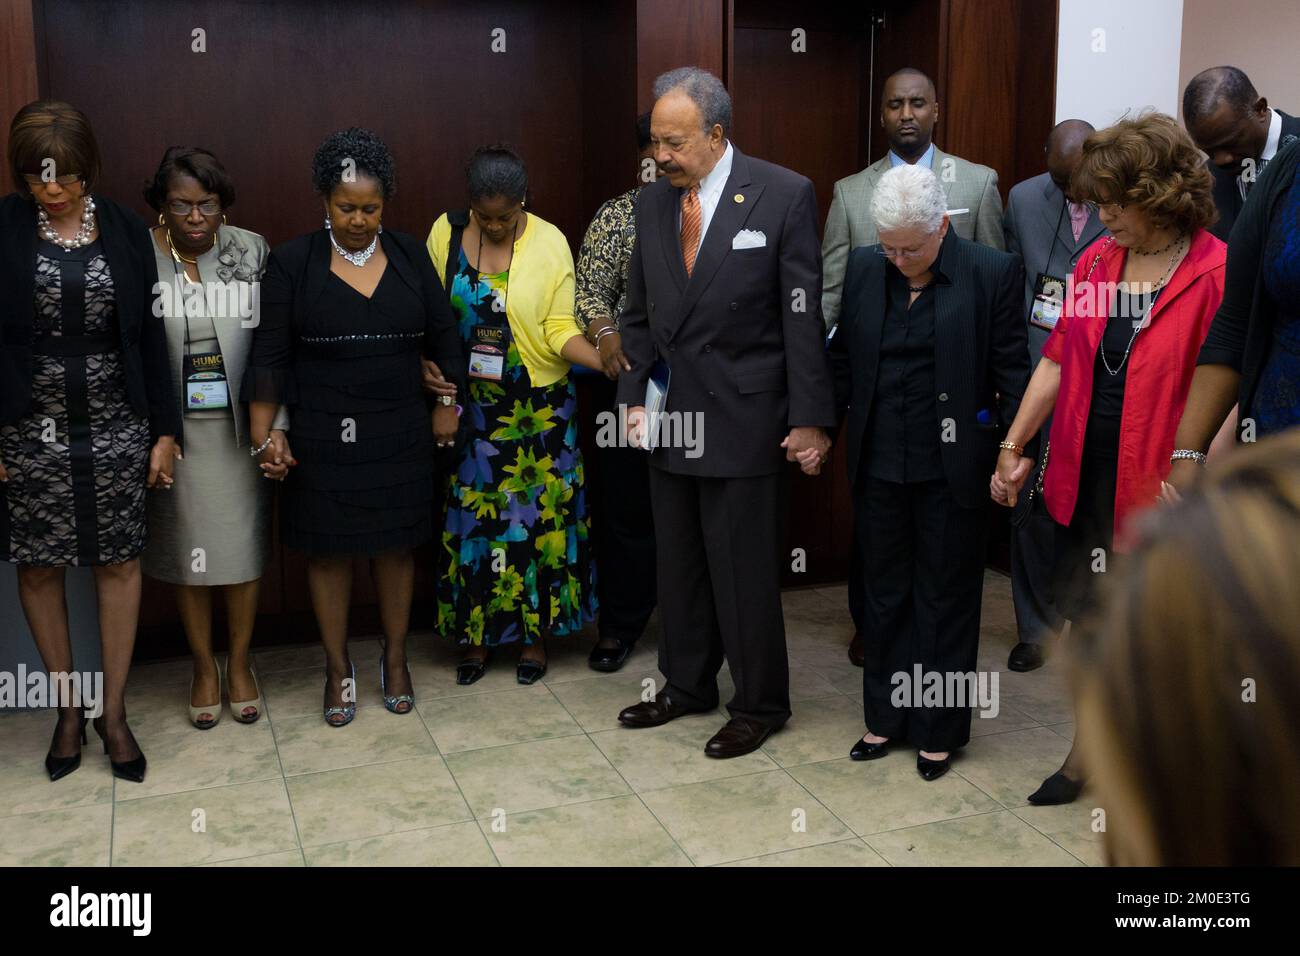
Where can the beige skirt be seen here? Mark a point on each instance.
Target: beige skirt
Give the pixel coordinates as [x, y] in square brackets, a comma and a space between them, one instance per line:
[214, 526]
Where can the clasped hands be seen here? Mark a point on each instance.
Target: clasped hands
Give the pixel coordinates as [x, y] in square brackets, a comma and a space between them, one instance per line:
[445, 419]
[806, 444]
[1012, 472]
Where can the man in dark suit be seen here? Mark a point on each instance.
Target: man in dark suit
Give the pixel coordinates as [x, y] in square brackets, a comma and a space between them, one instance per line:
[1049, 232]
[1238, 130]
[930, 362]
[724, 288]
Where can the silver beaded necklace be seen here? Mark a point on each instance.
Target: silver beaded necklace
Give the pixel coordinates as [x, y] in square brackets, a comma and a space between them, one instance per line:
[358, 259]
[84, 231]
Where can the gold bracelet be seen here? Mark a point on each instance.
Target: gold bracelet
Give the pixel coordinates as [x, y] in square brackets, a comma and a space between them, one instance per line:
[1012, 446]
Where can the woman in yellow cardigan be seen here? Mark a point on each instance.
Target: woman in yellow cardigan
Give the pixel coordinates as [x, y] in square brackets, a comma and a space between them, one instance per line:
[516, 562]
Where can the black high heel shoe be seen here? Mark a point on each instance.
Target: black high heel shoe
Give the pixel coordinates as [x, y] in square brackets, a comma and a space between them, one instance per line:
[58, 767]
[862, 750]
[472, 668]
[1056, 789]
[132, 770]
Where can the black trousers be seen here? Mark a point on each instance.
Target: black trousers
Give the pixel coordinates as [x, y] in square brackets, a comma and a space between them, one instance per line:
[720, 545]
[624, 532]
[924, 583]
[1033, 564]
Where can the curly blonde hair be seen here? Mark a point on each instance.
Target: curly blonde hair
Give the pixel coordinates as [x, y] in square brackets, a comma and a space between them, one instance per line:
[1150, 163]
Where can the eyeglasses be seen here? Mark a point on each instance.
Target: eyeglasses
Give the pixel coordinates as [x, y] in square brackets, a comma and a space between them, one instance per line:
[1110, 208]
[889, 252]
[179, 207]
[35, 179]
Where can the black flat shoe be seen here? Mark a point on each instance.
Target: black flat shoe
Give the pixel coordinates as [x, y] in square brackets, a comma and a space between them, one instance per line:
[59, 767]
[471, 669]
[133, 769]
[1025, 657]
[608, 659]
[867, 751]
[530, 672]
[1056, 789]
[931, 769]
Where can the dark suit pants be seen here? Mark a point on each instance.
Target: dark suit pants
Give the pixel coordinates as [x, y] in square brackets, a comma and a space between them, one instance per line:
[924, 582]
[625, 533]
[720, 547]
[1033, 548]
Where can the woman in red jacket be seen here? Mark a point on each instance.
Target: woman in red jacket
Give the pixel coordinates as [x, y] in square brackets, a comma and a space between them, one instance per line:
[1117, 367]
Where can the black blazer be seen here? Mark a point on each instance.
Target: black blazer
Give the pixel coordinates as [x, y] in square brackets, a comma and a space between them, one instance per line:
[1227, 197]
[129, 252]
[981, 355]
[743, 333]
[296, 273]
[1241, 334]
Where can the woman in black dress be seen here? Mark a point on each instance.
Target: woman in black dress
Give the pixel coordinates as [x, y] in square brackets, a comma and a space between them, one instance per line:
[347, 312]
[86, 416]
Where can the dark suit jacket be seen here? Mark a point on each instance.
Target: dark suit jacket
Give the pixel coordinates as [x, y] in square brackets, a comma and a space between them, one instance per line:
[1227, 196]
[296, 273]
[129, 252]
[743, 334]
[980, 355]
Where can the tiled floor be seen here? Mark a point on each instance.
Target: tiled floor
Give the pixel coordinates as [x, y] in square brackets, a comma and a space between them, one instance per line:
[498, 774]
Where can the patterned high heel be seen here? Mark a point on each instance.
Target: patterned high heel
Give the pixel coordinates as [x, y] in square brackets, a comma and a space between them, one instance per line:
[59, 767]
[392, 702]
[347, 711]
[132, 770]
[214, 711]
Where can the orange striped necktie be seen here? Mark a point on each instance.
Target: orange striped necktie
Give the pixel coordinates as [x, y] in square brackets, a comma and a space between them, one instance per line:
[690, 226]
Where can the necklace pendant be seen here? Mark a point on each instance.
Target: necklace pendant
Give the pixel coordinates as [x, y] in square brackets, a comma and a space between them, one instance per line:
[358, 259]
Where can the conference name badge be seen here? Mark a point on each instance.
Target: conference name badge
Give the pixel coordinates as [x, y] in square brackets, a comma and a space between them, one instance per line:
[487, 353]
[1049, 297]
[206, 388]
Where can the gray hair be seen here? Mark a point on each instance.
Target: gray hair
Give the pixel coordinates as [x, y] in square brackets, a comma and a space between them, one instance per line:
[705, 90]
[908, 197]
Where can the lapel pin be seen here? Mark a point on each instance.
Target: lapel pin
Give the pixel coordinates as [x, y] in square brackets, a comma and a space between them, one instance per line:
[739, 197]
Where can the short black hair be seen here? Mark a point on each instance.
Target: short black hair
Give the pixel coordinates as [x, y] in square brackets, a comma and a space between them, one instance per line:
[496, 170]
[366, 150]
[1210, 89]
[198, 164]
[642, 131]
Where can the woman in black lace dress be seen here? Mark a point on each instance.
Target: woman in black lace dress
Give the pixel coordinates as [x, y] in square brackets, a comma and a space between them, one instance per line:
[86, 417]
[347, 313]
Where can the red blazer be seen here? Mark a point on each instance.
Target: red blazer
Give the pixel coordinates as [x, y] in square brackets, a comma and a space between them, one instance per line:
[1160, 368]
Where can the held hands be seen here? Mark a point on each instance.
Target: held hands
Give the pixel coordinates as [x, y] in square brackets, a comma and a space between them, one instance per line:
[636, 425]
[161, 460]
[1183, 474]
[1011, 474]
[445, 424]
[277, 459]
[610, 347]
[434, 381]
[809, 446]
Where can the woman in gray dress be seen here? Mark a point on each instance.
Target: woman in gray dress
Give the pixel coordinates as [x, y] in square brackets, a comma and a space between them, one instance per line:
[211, 531]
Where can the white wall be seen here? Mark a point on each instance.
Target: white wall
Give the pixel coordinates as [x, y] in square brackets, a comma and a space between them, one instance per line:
[1117, 55]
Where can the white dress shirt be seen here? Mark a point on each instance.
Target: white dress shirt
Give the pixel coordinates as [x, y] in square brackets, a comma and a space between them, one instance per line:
[711, 187]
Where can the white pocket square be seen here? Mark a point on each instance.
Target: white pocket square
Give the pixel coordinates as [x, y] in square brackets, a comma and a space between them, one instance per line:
[749, 239]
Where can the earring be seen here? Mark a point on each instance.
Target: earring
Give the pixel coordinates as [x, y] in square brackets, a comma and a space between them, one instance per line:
[160, 220]
[327, 224]
[381, 227]
[224, 221]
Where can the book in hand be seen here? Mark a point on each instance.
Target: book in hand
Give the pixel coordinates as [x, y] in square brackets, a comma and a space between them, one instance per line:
[656, 400]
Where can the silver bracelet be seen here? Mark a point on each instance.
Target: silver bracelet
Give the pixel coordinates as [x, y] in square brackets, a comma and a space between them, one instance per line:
[1186, 454]
[262, 447]
[607, 330]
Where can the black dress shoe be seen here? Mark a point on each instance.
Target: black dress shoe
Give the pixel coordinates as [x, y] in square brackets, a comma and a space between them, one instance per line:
[931, 769]
[868, 751]
[1056, 789]
[471, 669]
[739, 736]
[59, 767]
[132, 769]
[1025, 657]
[652, 713]
[856, 655]
[530, 672]
[609, 659]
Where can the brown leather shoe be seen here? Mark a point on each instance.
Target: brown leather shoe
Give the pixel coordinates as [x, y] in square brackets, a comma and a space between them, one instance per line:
[740, 736]
[658, 711]
[856, 654]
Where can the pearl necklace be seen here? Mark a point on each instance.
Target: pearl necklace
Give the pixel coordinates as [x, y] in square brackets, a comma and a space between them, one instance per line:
[358, 259]
[84, 231]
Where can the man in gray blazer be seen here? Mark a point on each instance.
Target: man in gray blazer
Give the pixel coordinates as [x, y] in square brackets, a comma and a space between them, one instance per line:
[909, 109]
[1049, 233]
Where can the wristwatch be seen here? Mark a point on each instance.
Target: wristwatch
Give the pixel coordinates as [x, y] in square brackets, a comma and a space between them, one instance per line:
[446, 400]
